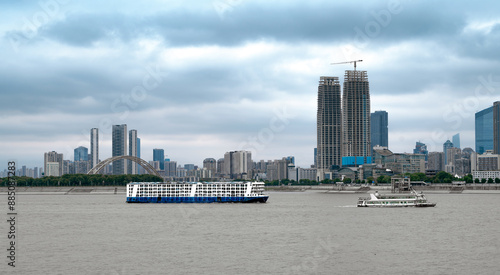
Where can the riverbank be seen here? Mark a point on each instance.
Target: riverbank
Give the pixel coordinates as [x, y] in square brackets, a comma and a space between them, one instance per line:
[436, 188]
[69, 190]
[329, 188]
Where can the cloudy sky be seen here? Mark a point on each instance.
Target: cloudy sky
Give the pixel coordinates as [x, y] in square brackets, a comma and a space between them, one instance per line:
[199, 78]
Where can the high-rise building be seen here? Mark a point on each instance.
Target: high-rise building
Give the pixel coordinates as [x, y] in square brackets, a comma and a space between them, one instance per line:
[329, 124]
[421, 148]
[78, 167]
[155, 164]
[119, 141]
[132, 151]
[452, 155]
[211, 165]
[159, 155]
[496, 127]
[356, 137]
[81, 154]
[485, 162]
[456, 140]
[94, 147]
[484, 130]
[447, 145]
[237, 164]
[170, 168]
[379, 129]
[139, 168]
[68, 167]
[315, 157]
[220, 167]
[435, 161]
[278, 170]
[52, 169]
[51, 158]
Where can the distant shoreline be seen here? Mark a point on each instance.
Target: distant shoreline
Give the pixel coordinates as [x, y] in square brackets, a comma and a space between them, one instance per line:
[435, 188]
[67, 190]
[328, 188]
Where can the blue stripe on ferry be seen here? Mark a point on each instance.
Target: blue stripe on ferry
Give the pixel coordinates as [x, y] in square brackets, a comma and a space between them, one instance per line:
[194, 199]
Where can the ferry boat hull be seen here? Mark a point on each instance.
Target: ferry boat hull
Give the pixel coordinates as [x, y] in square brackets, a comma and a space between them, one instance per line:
[413, 199]
[262, 199]
[196, 192]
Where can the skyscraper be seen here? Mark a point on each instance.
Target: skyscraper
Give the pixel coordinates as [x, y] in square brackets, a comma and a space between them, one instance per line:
[329, 124]
[81, 154]
[456, 140]
[132, 151]
[139, 168]
[447, 145]
[237, 164]
[356, 139]
[496, 127]
[94, 147]
[484, 130]
[379, 129]
[159, 155]
[119, 141]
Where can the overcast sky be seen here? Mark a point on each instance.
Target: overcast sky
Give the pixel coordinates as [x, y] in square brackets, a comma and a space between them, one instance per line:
[200, 78]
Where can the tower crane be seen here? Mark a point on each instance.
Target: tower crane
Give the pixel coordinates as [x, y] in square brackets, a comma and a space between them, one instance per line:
[354, 61]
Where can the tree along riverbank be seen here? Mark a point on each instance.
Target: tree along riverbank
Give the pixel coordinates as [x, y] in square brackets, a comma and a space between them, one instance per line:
[81, 180]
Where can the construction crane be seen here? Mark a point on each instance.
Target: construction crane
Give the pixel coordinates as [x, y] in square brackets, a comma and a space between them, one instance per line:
[354, 61]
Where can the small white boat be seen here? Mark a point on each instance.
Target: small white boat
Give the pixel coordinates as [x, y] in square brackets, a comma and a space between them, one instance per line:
[412, 199]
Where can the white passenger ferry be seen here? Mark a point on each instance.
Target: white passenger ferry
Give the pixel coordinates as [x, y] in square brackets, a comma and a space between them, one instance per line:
[195, 192]
[412, 199]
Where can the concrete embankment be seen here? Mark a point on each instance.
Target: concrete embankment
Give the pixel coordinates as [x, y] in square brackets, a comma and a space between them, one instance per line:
[329, 188]
[435, 188]
[69, 190]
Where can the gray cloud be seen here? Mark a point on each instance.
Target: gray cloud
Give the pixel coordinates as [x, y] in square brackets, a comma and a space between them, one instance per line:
[328, 22]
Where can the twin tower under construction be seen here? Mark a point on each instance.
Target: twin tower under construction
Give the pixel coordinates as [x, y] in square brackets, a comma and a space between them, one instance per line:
[343, 126]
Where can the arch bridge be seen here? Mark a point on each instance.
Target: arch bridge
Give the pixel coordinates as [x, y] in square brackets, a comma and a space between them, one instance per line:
[150, 169]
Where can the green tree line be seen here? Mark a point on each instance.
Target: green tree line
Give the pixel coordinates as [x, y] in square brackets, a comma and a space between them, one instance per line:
[440, 177]
[82, 180]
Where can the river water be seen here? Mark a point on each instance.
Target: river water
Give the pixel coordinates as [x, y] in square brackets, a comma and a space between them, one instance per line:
[294, 233]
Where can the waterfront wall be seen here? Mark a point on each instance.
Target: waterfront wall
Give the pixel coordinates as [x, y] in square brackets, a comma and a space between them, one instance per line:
[334, 187]
[82, 190]
[67, 190]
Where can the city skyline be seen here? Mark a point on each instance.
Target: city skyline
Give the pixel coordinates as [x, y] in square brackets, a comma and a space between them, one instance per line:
[250, 87]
